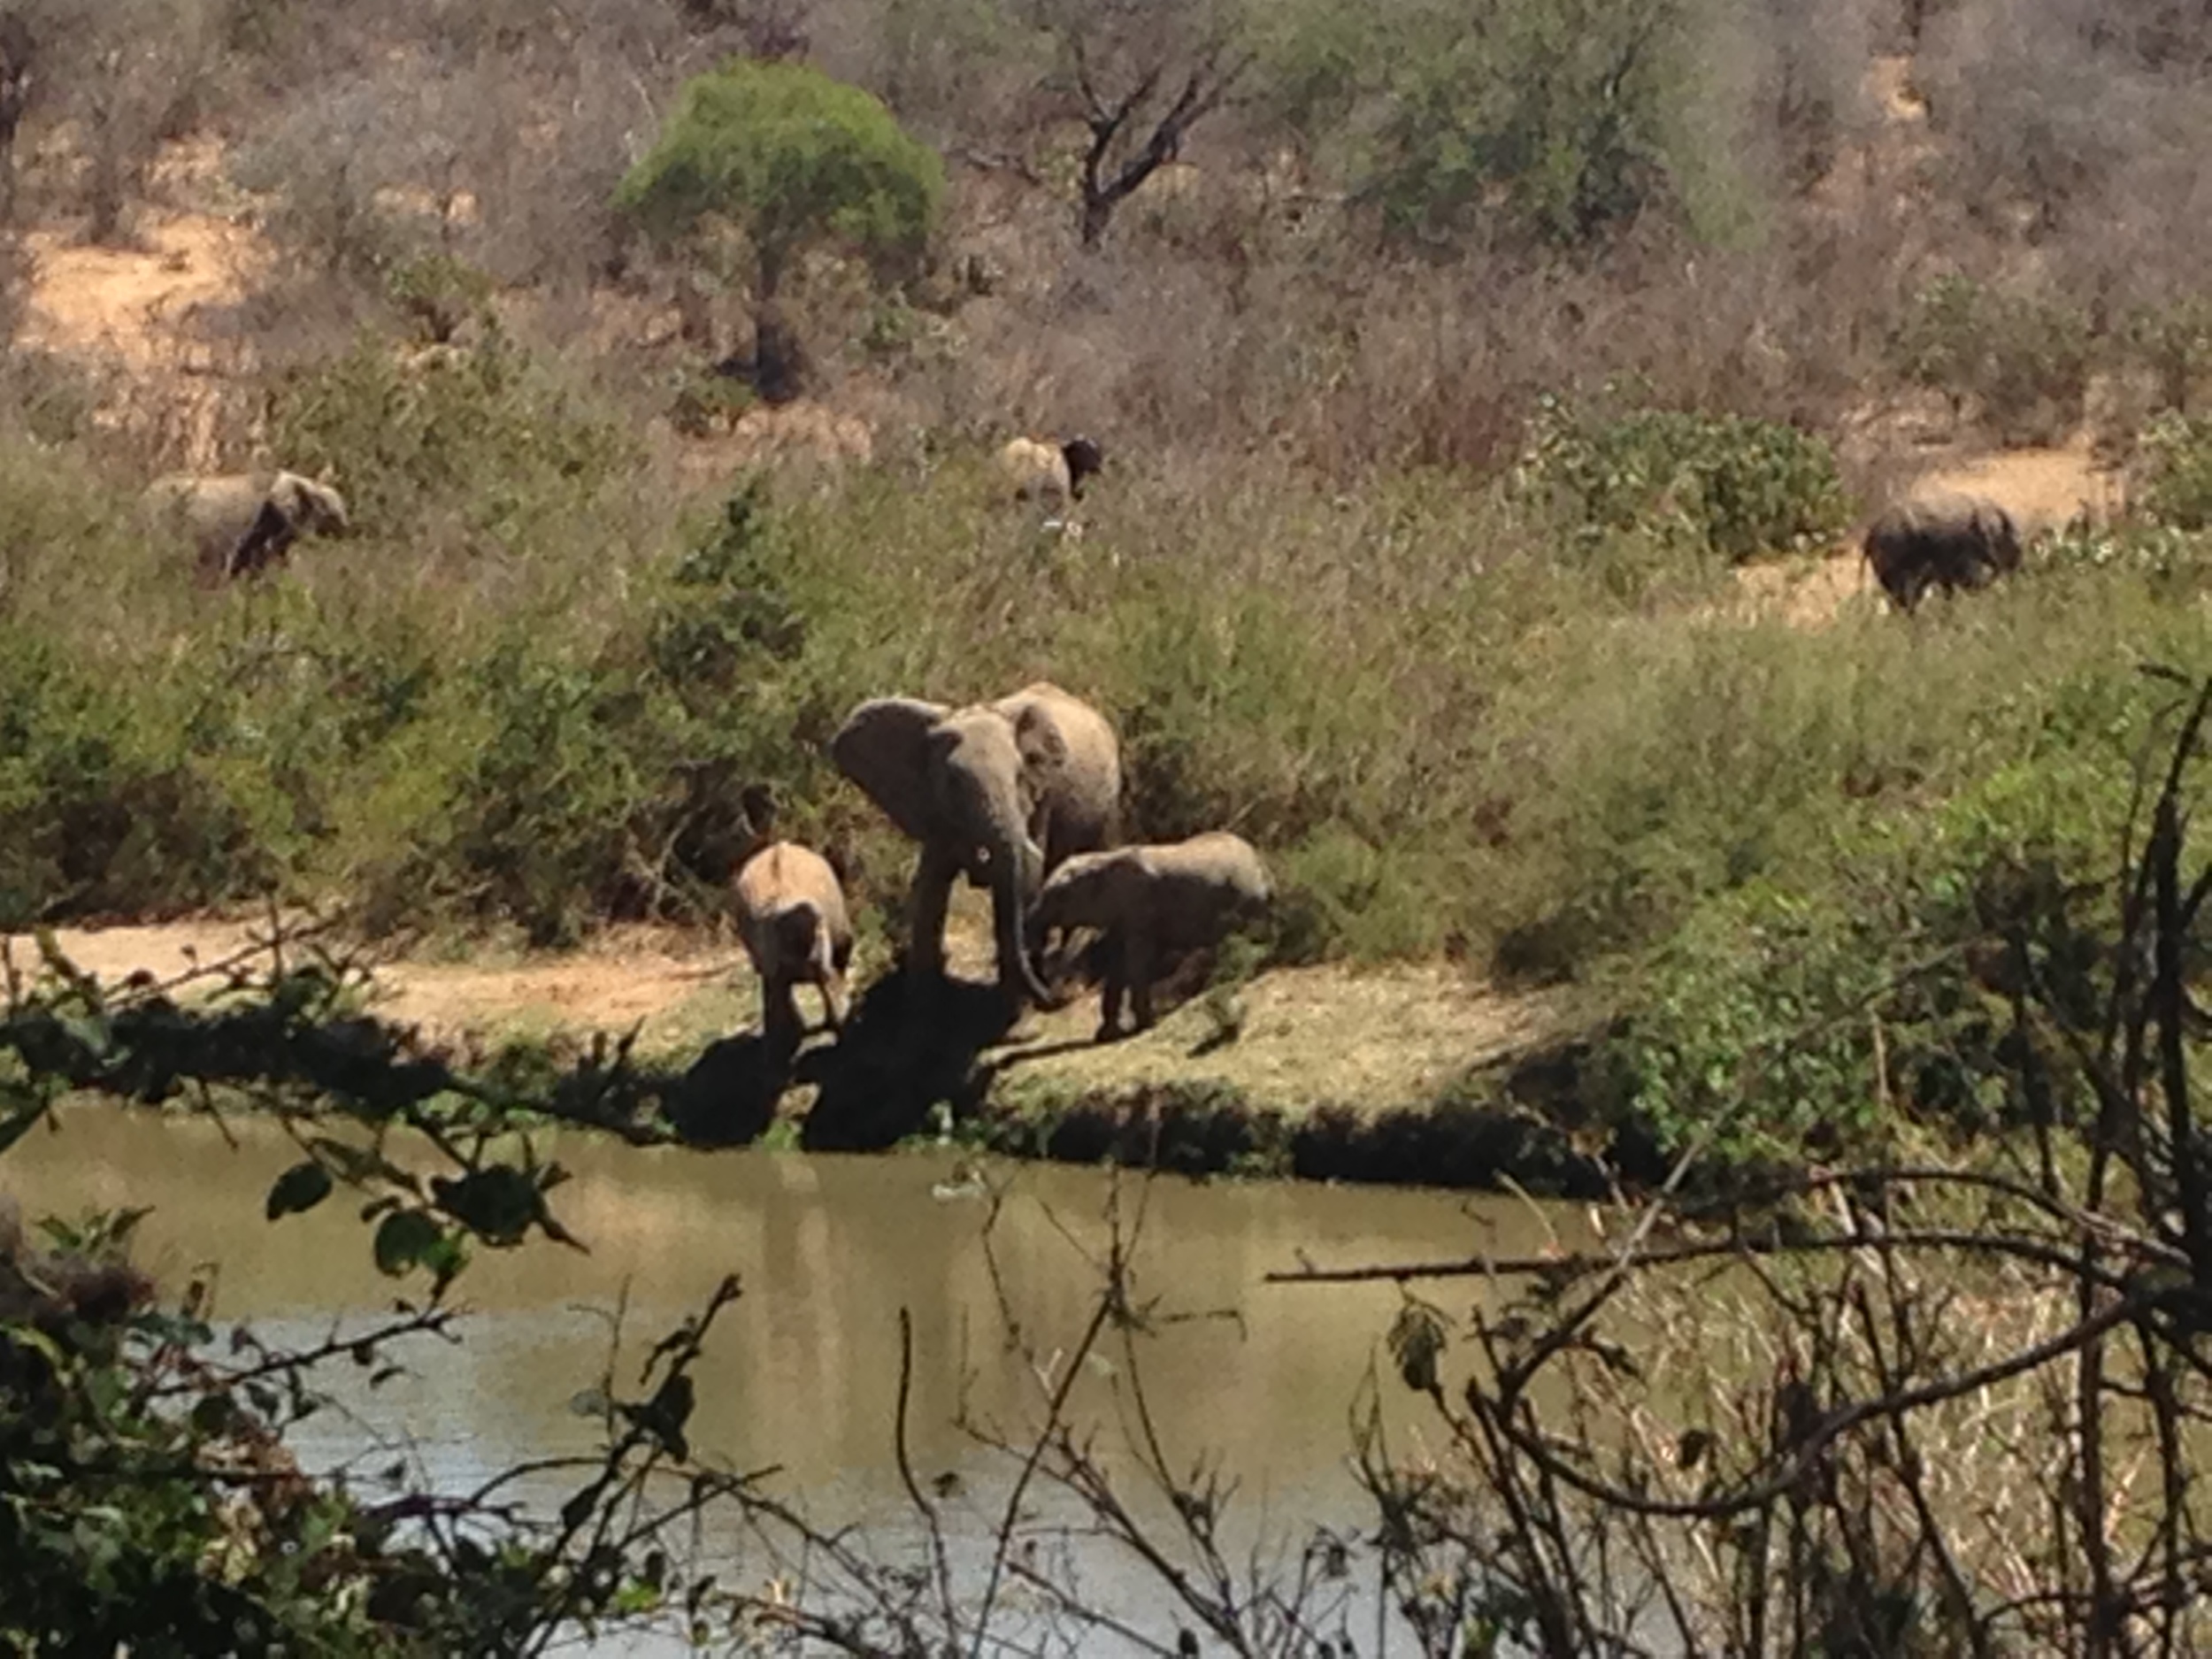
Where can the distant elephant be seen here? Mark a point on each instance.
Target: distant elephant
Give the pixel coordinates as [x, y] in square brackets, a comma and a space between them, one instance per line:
[240, 523]
[1948, 542]
[791, 917]
[1153, 903]
[1051, 474]
[1003, 792]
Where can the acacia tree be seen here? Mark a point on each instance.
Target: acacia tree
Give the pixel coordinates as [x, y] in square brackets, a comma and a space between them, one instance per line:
[761, 161]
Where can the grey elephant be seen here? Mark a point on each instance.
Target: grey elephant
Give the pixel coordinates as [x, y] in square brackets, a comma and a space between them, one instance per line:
[1002, 792]
[1151, 904]
[792, 919]
[240, 523]
[1950, 542]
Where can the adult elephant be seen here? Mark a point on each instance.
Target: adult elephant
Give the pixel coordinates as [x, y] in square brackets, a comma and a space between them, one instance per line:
[243, 522]
[1000, 792]
[1950, 542]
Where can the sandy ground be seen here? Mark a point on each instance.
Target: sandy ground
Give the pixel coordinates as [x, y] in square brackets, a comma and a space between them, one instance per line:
[1387, 1036]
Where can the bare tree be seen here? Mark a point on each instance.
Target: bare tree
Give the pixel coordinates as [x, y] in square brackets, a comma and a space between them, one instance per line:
[1143, 72]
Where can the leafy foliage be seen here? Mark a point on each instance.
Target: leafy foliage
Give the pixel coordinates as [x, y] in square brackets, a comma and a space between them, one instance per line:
[1556, 112]
[2177, 472]
[150, 1499]
[1739, 487]
[786, 155]
[2024, 360]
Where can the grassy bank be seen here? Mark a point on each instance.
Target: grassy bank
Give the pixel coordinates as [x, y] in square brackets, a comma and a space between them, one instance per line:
[1513, 723]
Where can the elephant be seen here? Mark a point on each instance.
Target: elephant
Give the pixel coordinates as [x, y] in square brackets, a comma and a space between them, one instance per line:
[1002, 792]
[240, 523]
[1151, 903]
[1950, 542]
[1050, 474]
[791, 917]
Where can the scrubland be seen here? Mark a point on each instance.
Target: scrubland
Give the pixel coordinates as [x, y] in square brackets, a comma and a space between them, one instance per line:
[1448, 405]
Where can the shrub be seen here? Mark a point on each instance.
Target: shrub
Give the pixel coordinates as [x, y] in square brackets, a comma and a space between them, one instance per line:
[440, 293]
[101, 810]
[484, 435]
[1558, 111]
[2176, 465]
[2024, 361]
[1736, 486]
[2174, 343]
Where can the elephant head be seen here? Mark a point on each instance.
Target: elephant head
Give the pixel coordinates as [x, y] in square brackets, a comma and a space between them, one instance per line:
[1084, 457]
[1955, 542]
[976, 787]
[292, 506]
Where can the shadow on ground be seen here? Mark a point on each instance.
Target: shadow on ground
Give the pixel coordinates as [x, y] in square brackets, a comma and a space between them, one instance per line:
[909, 1046]
[727, 1096]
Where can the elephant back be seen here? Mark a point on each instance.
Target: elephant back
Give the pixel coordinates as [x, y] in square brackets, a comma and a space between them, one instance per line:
[1073, 758]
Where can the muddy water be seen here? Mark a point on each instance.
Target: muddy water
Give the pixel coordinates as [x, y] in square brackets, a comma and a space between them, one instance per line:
[802, 1373]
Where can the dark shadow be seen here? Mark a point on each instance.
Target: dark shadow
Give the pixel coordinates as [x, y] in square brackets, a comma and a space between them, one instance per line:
[909, 1046]
[728, 1097]
[1022, 1055]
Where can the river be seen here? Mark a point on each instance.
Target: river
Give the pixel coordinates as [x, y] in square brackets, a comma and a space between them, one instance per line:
[802, 1373]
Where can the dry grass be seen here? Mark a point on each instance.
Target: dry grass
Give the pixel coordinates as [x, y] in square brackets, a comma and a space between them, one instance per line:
[1367, 1039]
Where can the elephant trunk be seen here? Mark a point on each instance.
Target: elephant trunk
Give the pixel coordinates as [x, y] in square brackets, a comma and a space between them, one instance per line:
[1014, 881]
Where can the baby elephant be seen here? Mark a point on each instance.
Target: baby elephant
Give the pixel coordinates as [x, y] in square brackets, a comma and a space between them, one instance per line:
[240, 523]
[791, 916]
[1946, 542]
[1153, 903]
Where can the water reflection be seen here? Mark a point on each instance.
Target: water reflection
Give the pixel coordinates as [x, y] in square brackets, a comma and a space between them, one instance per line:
[802, 1372]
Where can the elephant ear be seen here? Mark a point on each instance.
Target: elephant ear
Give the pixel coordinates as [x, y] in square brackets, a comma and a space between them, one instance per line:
[884, 746]
[1044, 750]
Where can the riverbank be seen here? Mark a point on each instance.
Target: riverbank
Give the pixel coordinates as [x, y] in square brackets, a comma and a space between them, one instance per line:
[1407, 1073]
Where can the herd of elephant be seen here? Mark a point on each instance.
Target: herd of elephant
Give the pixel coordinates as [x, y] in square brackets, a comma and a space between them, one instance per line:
[242, 523]
[1022, 795]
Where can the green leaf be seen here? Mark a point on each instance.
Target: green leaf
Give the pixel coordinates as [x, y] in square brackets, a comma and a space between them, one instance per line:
[408, 1238]
[299, 1189]
[498, 1203]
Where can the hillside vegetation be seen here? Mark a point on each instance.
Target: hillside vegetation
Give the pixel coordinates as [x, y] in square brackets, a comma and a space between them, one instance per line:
[1450, 378]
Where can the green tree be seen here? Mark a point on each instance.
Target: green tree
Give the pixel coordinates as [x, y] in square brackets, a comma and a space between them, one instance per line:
[1551, 118]
[760, 161]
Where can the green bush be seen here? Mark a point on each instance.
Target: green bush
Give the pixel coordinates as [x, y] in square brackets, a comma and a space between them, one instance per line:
[2175, 461]
[2174, 343]
[482, 439]
[1739, 487]
[440, 293]
[1842, 1017]
[1560, 113]
[102, 809]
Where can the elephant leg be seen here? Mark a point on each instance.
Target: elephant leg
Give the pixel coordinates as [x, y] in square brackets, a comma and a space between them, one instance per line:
[933, 891]
[781, 1027]
[834, 1003]
[1113, 953]
[1137, 963]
